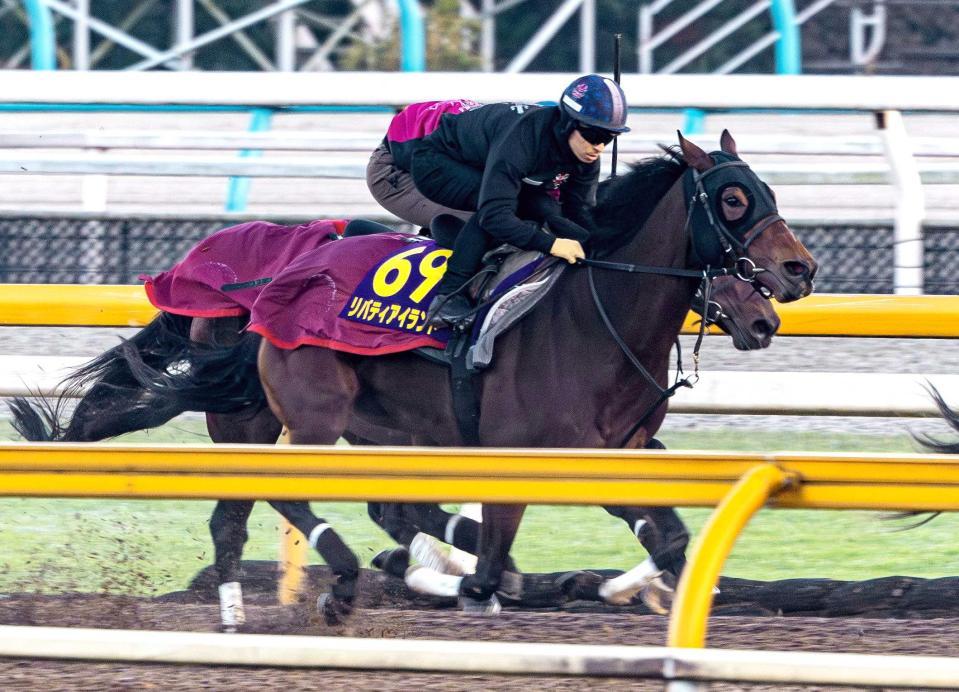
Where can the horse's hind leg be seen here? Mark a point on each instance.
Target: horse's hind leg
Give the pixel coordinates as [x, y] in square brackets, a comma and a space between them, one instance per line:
[229, 520]
[338, 604]
[228, 530]
[312, 390]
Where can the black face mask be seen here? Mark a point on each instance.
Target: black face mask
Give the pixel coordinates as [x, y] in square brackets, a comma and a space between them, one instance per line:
[596, 135]
[707, 246]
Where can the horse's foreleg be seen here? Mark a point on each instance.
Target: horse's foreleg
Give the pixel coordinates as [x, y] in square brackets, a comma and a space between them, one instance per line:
[663, 534]
[338, 604]
[499, 527]
[228, 530]
[415, 526]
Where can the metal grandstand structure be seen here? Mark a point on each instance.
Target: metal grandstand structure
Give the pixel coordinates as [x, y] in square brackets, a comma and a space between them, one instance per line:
[306, 34]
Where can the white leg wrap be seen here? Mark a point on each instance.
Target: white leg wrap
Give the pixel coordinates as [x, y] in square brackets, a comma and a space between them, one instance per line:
[463, 562]
[231, 605]
[620, 590]
[429, 581]
[428, 553]
[316, 533]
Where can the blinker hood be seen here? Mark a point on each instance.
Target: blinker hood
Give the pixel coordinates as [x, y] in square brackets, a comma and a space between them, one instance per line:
[706, 226]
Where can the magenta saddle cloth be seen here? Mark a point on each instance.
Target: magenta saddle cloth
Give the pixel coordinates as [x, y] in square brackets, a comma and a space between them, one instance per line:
[223, 275]
[365, 295]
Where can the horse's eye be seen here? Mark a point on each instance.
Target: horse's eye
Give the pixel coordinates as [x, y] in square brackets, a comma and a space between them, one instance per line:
[732, 201]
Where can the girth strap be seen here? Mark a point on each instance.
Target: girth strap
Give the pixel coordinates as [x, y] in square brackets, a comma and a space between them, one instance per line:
[465, 401]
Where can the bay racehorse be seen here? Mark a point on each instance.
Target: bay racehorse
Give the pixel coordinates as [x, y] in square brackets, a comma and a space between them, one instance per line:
[115, 403]
[586, 368]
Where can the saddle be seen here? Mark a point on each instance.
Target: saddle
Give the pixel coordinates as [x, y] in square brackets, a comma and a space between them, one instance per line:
[508, 285]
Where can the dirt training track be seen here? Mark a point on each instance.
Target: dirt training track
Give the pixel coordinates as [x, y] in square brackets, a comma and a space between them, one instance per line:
[894, 615]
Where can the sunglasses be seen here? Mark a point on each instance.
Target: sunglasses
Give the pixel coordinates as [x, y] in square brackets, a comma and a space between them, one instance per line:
[597, 135]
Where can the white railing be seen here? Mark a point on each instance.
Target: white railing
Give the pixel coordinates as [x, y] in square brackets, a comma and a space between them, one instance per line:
[885, 96]
[757, 393]
[396, 89]
[470, 657]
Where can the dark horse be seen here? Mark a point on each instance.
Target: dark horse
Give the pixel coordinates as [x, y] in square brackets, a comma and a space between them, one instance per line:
[789, 277]
[117, 403]
[588, 366]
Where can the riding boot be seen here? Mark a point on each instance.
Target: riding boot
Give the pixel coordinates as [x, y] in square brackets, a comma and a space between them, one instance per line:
[451, 305]
[449, 310]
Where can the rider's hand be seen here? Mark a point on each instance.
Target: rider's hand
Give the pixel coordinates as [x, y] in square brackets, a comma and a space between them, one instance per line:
[568, 249]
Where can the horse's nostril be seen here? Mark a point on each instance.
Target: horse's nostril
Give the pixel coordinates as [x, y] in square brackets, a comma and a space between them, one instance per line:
[796, 268]
[762, 330]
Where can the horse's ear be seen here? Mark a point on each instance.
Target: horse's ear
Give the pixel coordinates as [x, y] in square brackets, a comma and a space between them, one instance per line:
[727, 143]
[693, 155]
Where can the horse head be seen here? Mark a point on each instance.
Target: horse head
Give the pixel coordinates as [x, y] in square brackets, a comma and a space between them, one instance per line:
[735, 223]
[741, 311]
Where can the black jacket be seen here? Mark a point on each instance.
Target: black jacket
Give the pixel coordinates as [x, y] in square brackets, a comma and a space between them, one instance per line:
[517, 144]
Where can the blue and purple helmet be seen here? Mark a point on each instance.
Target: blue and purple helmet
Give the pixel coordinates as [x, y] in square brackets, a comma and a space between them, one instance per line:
[597, 102]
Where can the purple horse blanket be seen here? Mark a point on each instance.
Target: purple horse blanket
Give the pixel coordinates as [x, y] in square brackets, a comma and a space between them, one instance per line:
[223, 275]
[365, 295]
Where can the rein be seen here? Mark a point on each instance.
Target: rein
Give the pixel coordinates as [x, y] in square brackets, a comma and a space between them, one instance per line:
[668, 392]
[742, 267]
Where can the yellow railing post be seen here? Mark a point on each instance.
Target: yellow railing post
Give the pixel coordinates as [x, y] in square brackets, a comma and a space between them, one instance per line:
[694, 595]
[292, 554]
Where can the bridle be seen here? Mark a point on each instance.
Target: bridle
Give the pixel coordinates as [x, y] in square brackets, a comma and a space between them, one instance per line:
[735, 263]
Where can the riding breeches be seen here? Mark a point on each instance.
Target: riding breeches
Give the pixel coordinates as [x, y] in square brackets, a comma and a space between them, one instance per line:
[393, 188]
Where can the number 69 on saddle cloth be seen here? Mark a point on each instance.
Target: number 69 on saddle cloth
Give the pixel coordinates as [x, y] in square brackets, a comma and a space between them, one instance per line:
[322, 299]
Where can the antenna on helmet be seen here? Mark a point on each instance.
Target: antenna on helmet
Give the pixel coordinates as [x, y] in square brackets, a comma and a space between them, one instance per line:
[617, 38]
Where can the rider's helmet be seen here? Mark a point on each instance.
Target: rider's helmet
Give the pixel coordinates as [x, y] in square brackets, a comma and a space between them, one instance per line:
[594, 101]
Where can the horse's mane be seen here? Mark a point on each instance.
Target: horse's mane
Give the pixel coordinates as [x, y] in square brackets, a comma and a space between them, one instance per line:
[624, 203]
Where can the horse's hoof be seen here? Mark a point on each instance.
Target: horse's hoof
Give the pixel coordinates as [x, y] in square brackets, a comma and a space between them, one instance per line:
[488, 608]
[334, 610]
[657, 596]
[580, 585]
[393, 561]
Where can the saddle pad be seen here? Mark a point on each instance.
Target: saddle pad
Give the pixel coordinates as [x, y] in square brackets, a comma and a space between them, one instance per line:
[365, 295]
[508, 308]
[369, 296]
[245, 256]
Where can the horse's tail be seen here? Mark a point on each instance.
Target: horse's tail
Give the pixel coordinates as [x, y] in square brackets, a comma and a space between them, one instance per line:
[111, 399]
[209, 378]
[933, 444]
[951, 416]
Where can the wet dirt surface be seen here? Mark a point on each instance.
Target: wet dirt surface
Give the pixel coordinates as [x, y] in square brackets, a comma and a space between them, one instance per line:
[385, 611]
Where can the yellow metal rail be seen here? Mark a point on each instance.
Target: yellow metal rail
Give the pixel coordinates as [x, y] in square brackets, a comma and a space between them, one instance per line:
[74, 305]
[694, 596]
[817, 315]
[738, 483]
[410, 474]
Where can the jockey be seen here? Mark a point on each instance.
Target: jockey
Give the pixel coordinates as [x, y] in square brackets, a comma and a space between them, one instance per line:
[388, 172]
[509, 162]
